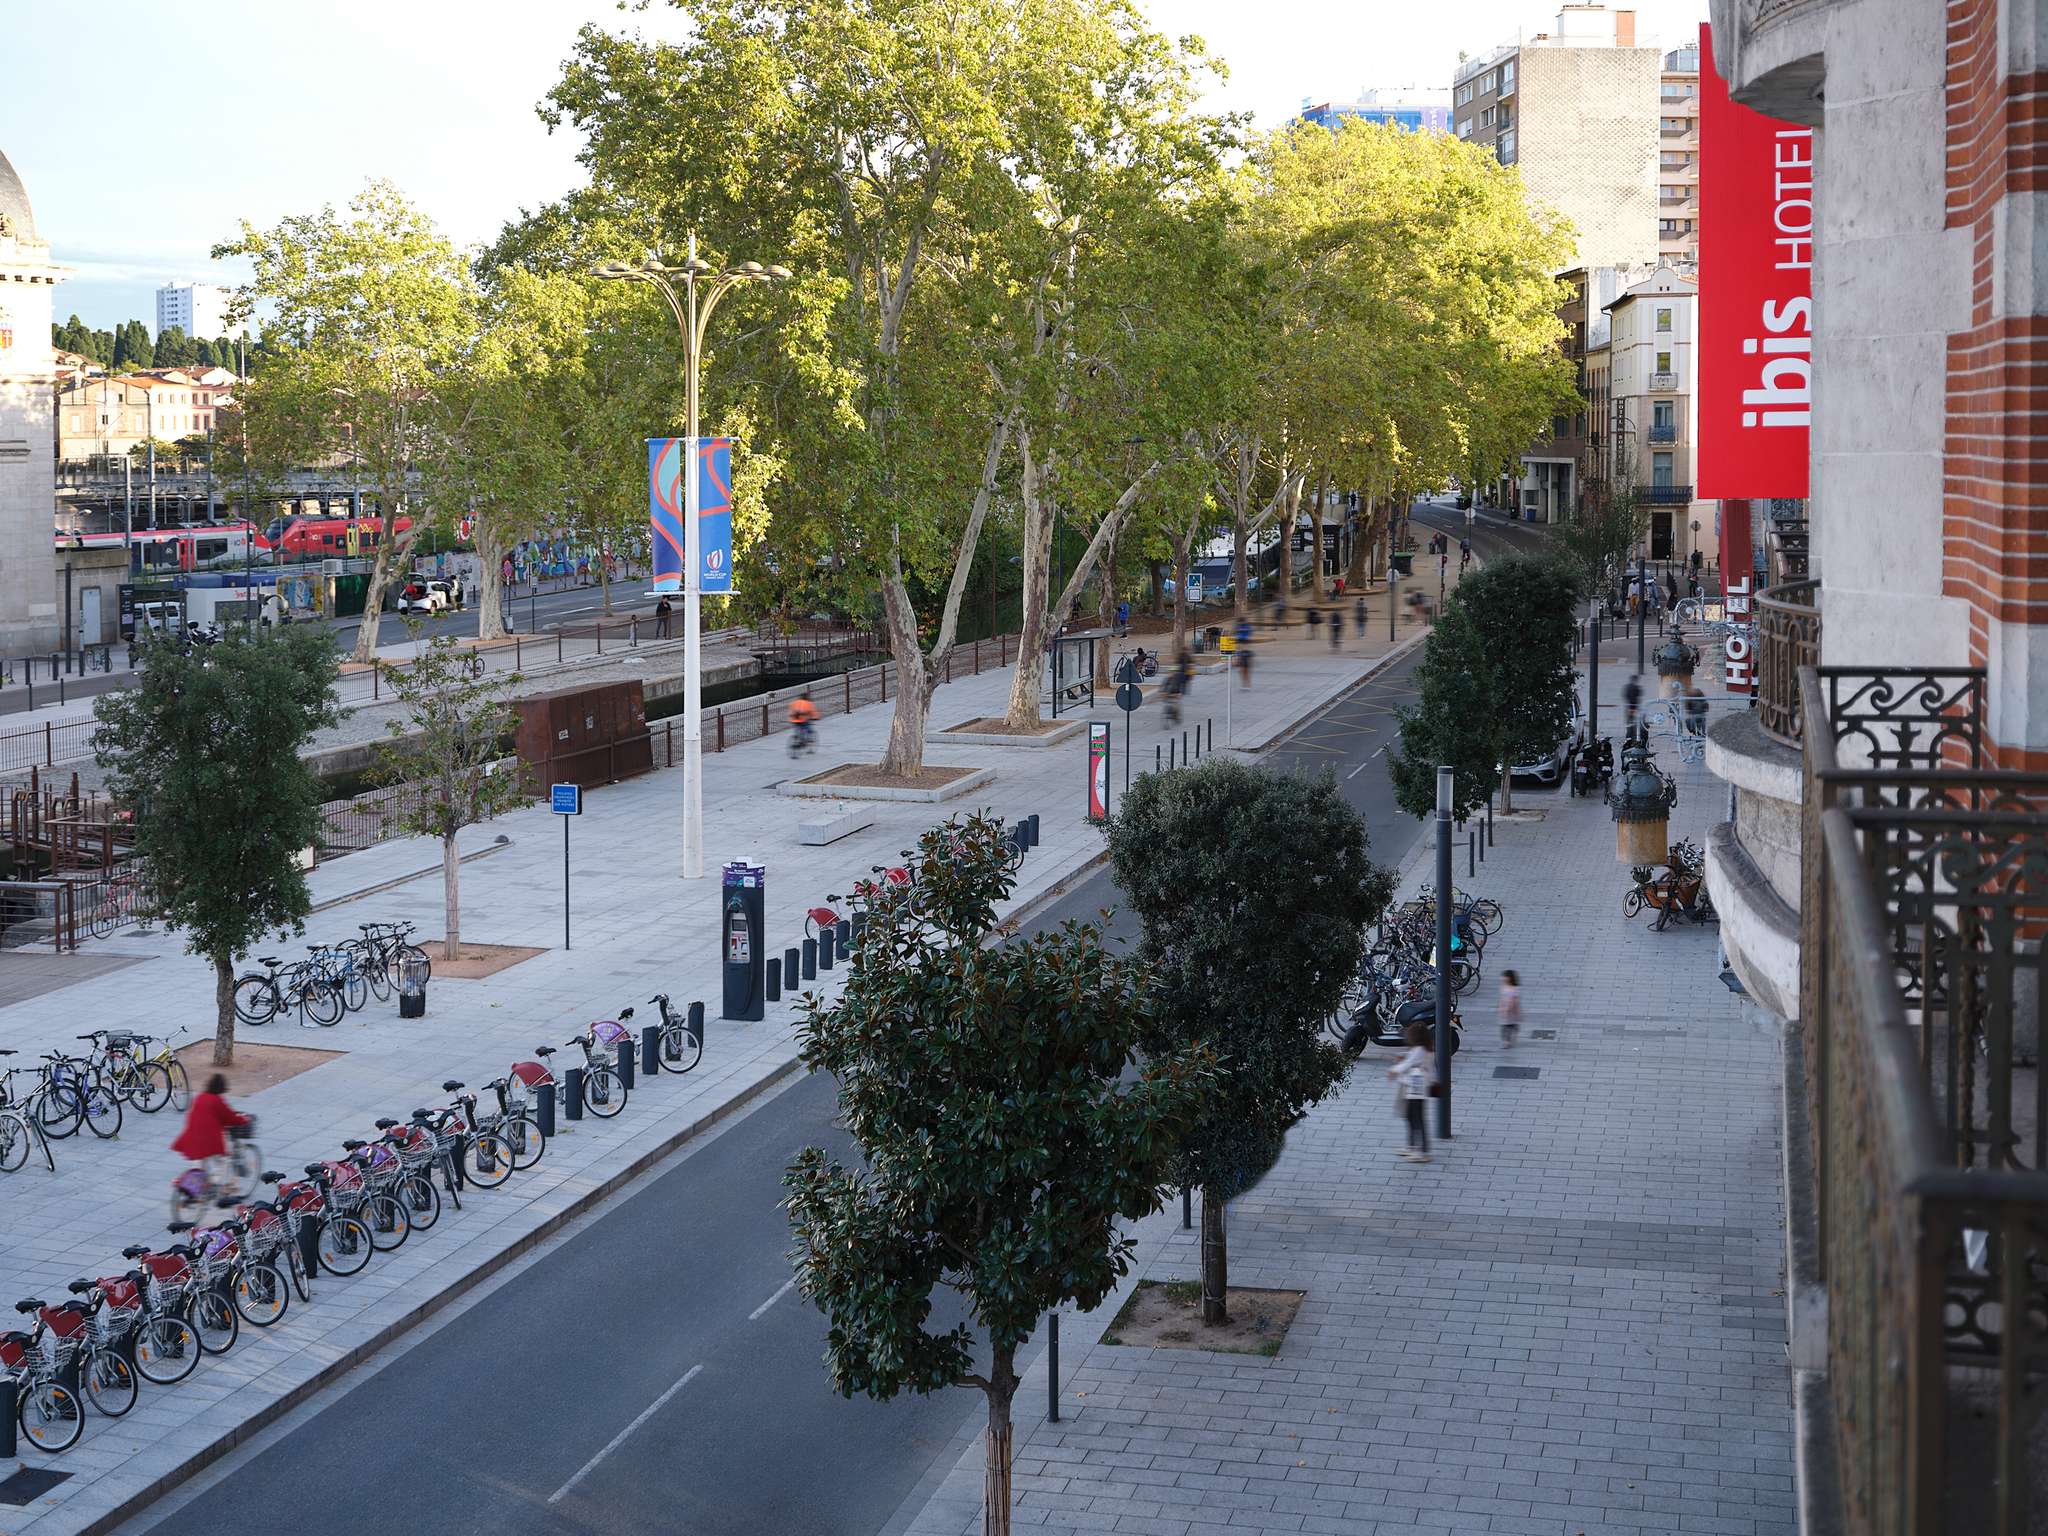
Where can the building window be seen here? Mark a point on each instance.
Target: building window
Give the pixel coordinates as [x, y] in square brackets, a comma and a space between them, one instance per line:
[1464, 94]
[1464, 127]
[1663, 362]
[1663, 413]
[1486, 117]
[1667, 228]
[1660, 471]
[1674, 127]
[1663, 319]
[1507, 76]
[1491, 82]
[1504, 147]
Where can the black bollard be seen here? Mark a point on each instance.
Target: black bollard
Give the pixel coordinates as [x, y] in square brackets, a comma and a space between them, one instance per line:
[810, 959]
[1489, 821]
[1471, 842]
[1052, 1375]
[1156, 757]
[828, 946]
[7, 1448]
[544, 1110]
[625, 1055]
[791, 959]
[1187, 1207]
[694, 1023]
[1032, 819]
[650, 1050]
[772, 983]
[572, 1094]
[843, 931]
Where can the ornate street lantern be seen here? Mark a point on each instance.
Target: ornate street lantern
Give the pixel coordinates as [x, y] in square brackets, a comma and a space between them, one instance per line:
[1641, 798]
[1675, 659]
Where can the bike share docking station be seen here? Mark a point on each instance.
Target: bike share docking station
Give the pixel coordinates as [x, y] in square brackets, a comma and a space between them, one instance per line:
[742, 942]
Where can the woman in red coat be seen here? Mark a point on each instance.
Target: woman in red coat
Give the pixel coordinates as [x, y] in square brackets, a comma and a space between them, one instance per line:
[205, 1136]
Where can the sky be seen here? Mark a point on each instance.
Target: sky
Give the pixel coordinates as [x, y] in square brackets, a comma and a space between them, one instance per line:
[250, 109]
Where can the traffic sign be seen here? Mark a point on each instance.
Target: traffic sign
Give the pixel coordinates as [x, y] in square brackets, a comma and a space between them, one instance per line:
[1227, 644]
[566, 800]
[1129, 696]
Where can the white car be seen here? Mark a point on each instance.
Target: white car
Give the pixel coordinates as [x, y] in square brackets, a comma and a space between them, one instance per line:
[427, 597]
[1556, 764]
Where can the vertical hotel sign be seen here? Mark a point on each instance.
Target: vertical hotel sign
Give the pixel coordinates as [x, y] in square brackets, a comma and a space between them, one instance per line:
[668, 510]
[1756, 295]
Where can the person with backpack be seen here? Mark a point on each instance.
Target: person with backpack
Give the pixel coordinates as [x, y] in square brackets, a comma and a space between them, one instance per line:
[1414, 1080]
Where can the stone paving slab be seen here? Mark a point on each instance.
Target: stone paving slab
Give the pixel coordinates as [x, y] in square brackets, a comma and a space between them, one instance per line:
[636, 928]
[1569, 1324]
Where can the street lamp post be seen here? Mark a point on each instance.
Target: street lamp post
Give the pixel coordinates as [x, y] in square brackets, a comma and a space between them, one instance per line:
[1443, 950]
[692, 313]
[1642, 605]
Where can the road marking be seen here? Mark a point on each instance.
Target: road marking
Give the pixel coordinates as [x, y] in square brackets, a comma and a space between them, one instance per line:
[620, 1438]
[1354, 773]
[787, 1286]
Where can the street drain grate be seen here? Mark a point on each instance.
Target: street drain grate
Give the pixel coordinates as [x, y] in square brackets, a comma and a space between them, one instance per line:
[1542, 1034]
[1516, 1071]
[28, 1484]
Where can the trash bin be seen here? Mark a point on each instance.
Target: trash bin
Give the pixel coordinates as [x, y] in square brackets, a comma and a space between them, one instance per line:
[412, 986]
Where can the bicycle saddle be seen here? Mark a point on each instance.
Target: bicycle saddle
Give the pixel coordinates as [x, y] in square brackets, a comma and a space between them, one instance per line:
[625, 1014]
[134, 1251]
[452, 1084]
[180, 1226]
[353, 1145]
[268, 960]
[543, 1050]
[315, 1170]
[271, 1176]
[32, 1304]
[386, 1123]
[6, 1053]
[79, 1287]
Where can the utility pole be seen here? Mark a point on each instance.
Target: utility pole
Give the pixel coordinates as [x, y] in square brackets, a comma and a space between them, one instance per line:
[1443, 949]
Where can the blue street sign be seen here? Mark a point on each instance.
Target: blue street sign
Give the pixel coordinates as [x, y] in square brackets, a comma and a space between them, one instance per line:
[567, 800]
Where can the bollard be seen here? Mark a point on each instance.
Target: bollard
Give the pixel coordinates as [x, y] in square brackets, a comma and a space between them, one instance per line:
[625, 1054]
[1489, 820]
[544, 1110]
[1471, 842]
[1052, 1375]
[790, 962]
[693, 1021]
[1184, 758]
[572, 1094]
[772, 983]
[828, 945]
[7, 1447]
[650, 1050]
[1156, 757]
[810, 959]
[1032, 822]
[1187, 1207]
[843, 932]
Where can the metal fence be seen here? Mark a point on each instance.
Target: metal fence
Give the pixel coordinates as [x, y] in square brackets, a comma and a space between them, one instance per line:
[34, 913]
[1921, 917]
[1787, 638]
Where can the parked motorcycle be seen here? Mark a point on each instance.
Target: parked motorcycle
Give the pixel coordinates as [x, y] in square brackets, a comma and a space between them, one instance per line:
[1592, 766]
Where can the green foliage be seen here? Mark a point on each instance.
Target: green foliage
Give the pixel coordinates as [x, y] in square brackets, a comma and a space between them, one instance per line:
[174, 349]
[1003, 1130]
[1451, 721]
[205, 750]
[1601, 539]
[1255, 889]
[1495, 683]
[133, 348]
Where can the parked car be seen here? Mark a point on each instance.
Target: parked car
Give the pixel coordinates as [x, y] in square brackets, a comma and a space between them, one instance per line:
[427, 597]
[1552, 767]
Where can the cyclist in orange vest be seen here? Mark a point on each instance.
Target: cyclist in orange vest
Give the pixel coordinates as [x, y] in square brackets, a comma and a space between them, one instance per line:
[803, 716]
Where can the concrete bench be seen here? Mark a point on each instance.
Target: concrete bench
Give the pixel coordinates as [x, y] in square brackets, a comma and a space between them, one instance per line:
[816, 831]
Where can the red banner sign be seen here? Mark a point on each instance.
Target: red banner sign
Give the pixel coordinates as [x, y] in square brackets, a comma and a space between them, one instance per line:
[1098, 770]
[1756, 304]
[1738, 575]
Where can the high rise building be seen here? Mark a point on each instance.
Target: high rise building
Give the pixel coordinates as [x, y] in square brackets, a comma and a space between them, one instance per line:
[1678, 157]
[198, 309]
[1575, 109]
[1416, 111]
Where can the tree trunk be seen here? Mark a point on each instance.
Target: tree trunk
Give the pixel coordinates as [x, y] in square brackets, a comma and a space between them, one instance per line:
[905, 751]
[1215, 1262]
[451, 899]
[490, 600]
[998, 1444]
[1315, 540]
[604, 581]
[1361, 549]
[1181, 551]
[1238, 532]
[1157, 570]
[1034, 622]
[367, 635]
[223, 1010]
[1105, 612]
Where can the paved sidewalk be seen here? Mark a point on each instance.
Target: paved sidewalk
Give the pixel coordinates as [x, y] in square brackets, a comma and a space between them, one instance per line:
[636, 929]
[1571, 1323]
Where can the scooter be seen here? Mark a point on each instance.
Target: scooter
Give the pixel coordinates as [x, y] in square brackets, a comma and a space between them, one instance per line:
[1592, 766]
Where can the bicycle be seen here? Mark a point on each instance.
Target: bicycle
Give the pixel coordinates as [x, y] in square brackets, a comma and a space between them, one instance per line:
[681, 1047]
[164, 1058]
[165, 1347]
[178, 1278]
[297, 985]
[604, 1091]
[73, 1094]
[342, 1243]
[19, 1130]
[476, 1156]
[391, 947]
[519, 1130]
[193, 1190]
[50, 1414]
[111, 1308]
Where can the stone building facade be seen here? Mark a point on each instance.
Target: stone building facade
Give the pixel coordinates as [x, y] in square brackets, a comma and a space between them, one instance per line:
[29, 617]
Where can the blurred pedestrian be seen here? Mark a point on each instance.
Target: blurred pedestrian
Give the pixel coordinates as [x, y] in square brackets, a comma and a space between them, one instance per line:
[662, 610]
[1336, 629]
[1510, 1007]
[1414, 1080]
[1632, 703]
[1315, 621]
[1359, 613]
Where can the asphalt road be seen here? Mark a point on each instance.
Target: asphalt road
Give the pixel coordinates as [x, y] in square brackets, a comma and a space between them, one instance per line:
[651, 1372]
[576, 605]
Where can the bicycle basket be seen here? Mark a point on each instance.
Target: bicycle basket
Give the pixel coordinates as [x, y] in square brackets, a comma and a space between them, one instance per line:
[610, 1031]
[534, 1074]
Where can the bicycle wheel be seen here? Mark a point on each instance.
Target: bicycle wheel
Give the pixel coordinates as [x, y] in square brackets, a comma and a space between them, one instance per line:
[354, 991]
[150, 1088]
[487, 1159]
[51, 1417]
[680, 1050]
[109, 1382]
[181, 1085]
[166, 1350]
[422, 1201]
[321, 1002]
[345, 1245]
[295, 1267]
[604, 1095]
[1487, 915]
[246, 1163]
[60, 1111]
[102, 1111]
[385, 1215]
[524, 1137]
[14, 1135]
[370, 965]
[1632, 903]
[256, 999]
[216, 1321]
[261, 1295]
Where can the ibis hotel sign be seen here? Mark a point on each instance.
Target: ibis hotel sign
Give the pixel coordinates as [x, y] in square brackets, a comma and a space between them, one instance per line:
[1756, 296]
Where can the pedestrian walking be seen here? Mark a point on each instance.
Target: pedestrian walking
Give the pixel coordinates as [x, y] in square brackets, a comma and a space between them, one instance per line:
[1632, 703]
[1464, 555]
[1695, 710]
[1358, 613]
[1315, 621]
[1336, 629]
[1414, 1080]
[1692, 583]
[1123, 618]
[1244, 653]
[662, 610]
[1697, 557]
[1510, 1007]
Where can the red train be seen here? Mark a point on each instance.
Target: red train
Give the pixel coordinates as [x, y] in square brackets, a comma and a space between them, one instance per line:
[196, 548]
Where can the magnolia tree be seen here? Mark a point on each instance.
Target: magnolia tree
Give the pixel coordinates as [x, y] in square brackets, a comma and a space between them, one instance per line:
[1007, 1124]
[204, 749]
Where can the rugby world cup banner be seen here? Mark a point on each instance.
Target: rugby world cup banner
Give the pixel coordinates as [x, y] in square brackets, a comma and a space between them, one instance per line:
[668, 510]
[1756, 296]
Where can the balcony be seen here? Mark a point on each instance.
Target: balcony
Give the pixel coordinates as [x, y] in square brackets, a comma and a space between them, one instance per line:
[1664, 381]
[1787, 545]
[1664, 495]
[1787, 638]
[1666, 433]
[1918, 1183]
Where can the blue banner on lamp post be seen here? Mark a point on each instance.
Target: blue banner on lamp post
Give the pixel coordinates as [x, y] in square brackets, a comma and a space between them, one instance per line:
[714, 514]
[665, 510]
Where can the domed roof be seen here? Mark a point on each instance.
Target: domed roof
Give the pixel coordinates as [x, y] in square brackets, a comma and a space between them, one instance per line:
[17, 219]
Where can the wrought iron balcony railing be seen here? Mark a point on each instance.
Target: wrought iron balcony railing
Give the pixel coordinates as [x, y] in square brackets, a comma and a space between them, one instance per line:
[1664, 495]
[1920, 917]
[1663, 432]
[1787, 638]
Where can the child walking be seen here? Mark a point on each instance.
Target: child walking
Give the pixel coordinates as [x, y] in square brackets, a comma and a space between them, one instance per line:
[1510, 1007]
[1412, 1077]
